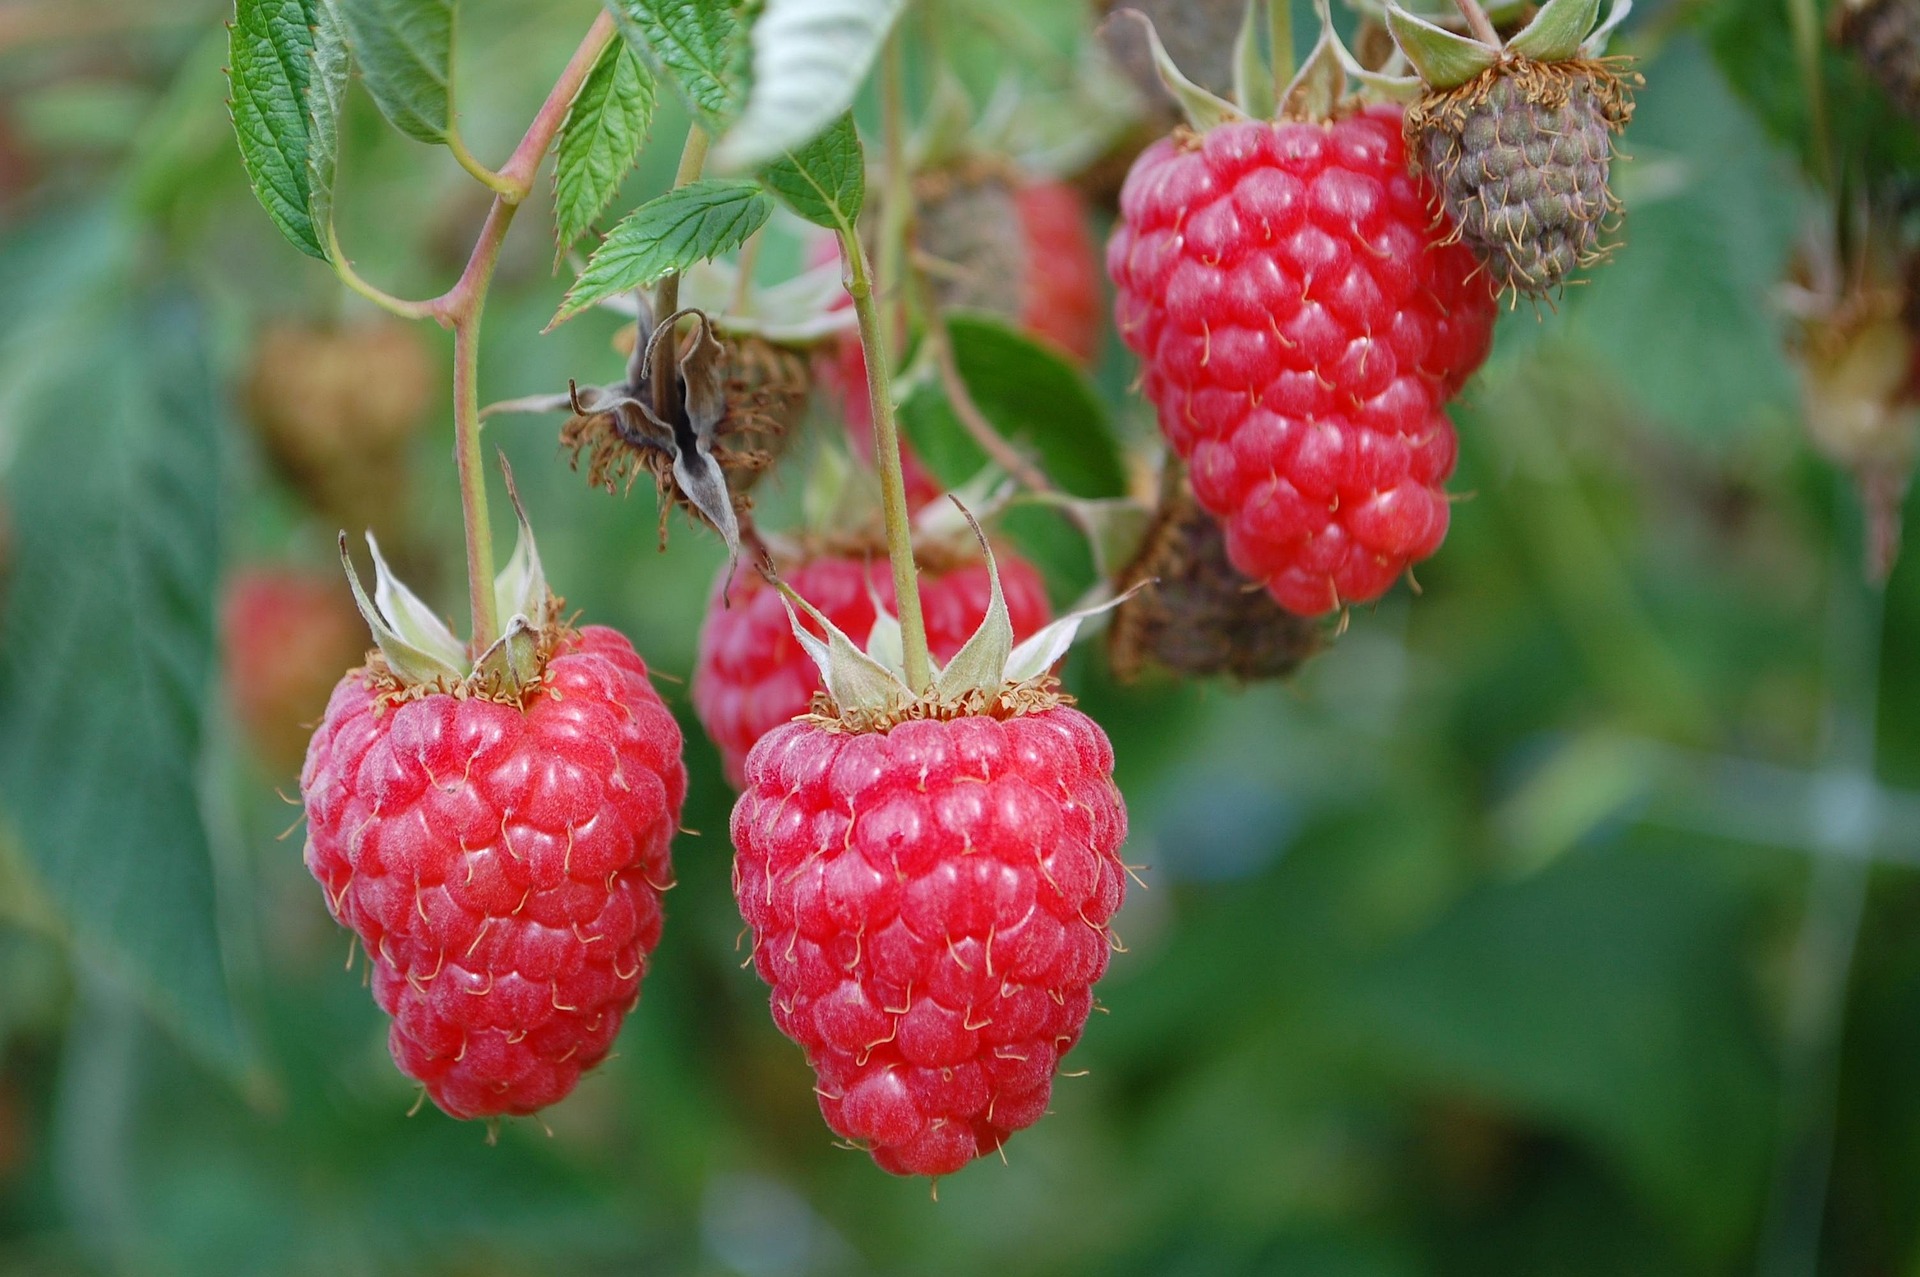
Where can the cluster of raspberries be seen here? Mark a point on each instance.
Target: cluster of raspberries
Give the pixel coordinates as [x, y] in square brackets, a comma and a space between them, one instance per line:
[930, 898]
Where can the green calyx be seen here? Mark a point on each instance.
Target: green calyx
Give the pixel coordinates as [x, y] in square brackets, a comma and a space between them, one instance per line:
[1562, 30]
[420, 652]
[990, 674]
[1314, 91]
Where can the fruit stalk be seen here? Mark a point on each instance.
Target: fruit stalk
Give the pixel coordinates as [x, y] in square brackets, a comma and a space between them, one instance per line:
[1808, 48]
[460, 309]
[1478, 22]
[466, 428]
[886, 456]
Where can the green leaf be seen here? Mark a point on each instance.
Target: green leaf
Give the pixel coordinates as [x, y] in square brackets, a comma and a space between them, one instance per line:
[700, 44]
[106, 664]
[286, 74]
[809, 58]
[405, 51]
[325, 98]
[1604, 994]
[1031, 395]
[1706, 242]
[824, 181]
[1752, 40]
[686, 225]
[601, 139]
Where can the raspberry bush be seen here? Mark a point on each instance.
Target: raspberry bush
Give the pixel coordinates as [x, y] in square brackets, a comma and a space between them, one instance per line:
[1547, 917]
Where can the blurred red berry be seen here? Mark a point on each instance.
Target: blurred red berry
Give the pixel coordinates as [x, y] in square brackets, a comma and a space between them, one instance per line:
[285, 634]
[1063, 292]
[752, 674]
[502, 865]
[930, 904]
[1301, 321]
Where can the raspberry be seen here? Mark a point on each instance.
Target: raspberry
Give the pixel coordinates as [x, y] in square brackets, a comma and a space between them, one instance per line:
[1197, 616]
[284, 634]
[930, 904]
[1520, 156]
[338, 410]
[502, 865]
[752, 675]
[1300, 329]
[1063, 294]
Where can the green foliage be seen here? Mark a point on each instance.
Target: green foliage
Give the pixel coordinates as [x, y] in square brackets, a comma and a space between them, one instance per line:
[1752, 40]
[405, 52]
[1479, 947]
[1705, 244]
[108, 650]
[689, 224]
[700, 44]
[1032, 396]
[287, 73]
[809, 58]
[825, 181]
[326, 97]
[1603, 994]
[601, 140]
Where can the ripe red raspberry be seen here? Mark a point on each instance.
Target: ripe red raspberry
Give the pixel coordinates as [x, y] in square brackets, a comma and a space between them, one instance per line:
[502, 866]
[284, 634]
[752, 675]
[930, 904]
[1301, 323]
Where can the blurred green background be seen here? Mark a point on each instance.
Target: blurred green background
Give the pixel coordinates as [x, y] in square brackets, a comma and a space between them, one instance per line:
[1561, 920]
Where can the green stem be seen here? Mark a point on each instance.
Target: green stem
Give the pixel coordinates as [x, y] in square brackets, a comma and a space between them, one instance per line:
[380, 297]
[896, 208]
[498, 183]
[886, 456]
[465, 318]
[666, 299]
[1807, 43]
[461, 309]
[1280, 45]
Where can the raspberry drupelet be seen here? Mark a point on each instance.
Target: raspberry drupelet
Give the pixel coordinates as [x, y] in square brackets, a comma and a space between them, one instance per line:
[1301, 320]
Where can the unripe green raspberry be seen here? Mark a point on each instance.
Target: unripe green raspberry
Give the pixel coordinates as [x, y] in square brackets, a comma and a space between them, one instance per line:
[1521, 155]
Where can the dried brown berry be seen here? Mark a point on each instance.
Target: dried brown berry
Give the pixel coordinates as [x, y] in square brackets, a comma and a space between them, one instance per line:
[1200, 617]
[1885, 36]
